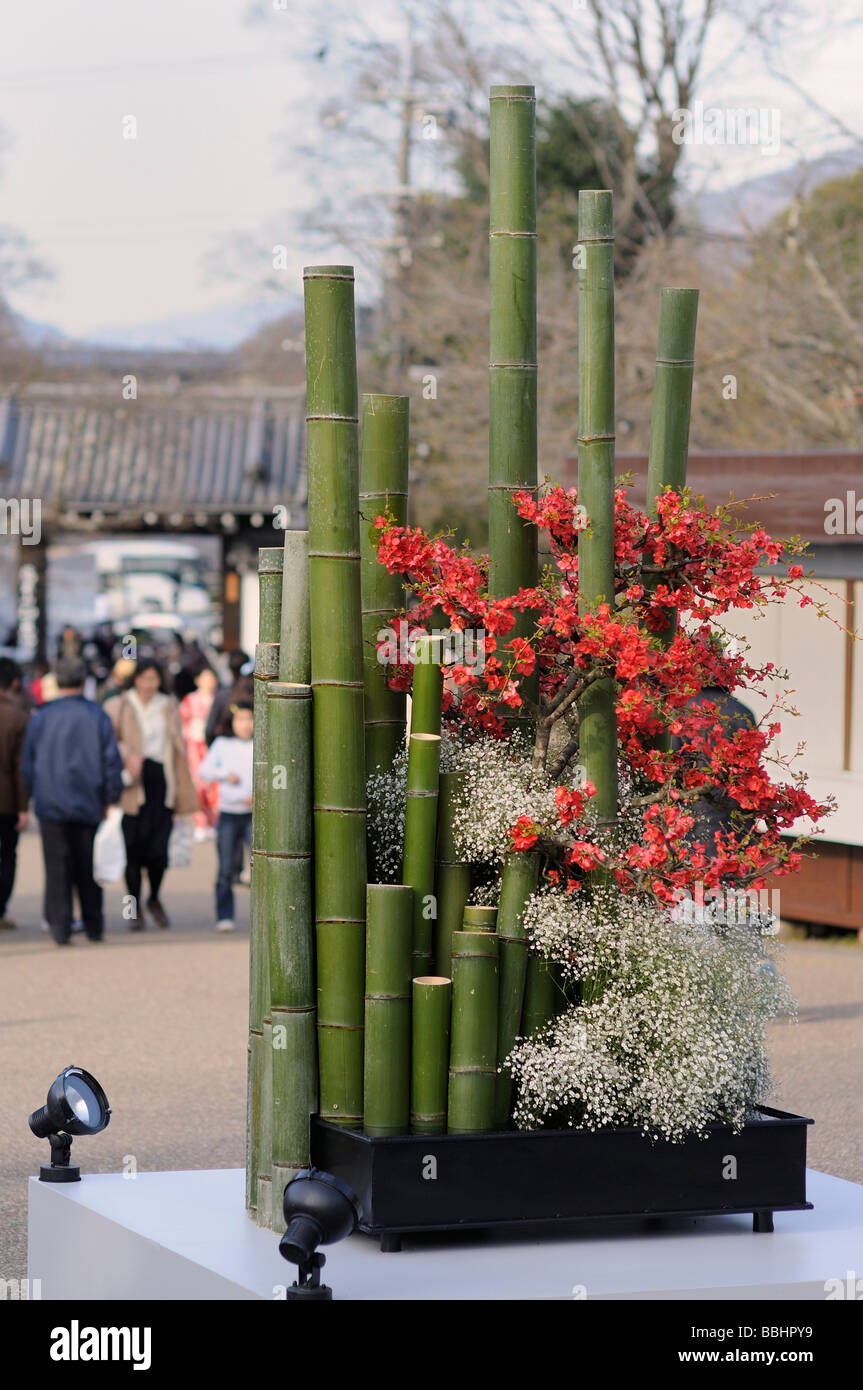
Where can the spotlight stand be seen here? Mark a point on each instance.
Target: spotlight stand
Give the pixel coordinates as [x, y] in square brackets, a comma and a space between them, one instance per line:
[60, 1169]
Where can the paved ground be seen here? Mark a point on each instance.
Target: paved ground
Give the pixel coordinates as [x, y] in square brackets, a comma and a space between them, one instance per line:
[160, 1017]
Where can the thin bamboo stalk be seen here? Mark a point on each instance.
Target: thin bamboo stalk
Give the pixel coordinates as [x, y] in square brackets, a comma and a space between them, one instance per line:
[337, 686]
[295, 638]
[427, 689]
[452, 877]
[520, 875]
[270, 565]
[264, 1215]
[430, 1013]
[473, 1044]
[418, 866]
[512, 344]
[672, 409]
[387, 1083]
[383, 488]
[598, 722]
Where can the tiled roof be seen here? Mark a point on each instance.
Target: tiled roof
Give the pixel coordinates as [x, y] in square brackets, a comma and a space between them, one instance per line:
[77, 456]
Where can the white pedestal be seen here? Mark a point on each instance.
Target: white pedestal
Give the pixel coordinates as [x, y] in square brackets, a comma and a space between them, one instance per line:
[186, 1236]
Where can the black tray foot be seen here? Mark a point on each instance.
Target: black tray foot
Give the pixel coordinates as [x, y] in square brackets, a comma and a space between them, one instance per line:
[391, 1242]
[762, 1221]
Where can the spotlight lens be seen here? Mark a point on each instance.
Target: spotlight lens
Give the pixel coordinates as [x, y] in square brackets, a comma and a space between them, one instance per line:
[83, 1101]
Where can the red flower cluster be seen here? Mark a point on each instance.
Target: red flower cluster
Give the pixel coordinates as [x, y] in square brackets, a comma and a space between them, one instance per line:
[676, 574]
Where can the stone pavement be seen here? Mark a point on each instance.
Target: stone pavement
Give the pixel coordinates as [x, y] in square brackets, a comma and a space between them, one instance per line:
[160, 1018]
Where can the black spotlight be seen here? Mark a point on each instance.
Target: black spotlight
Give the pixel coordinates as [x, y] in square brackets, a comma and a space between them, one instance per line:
[76, 1104]
[319, 1210]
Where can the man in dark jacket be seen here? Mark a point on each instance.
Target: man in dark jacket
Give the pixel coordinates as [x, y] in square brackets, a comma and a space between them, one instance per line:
[13, 796]
[72, 766]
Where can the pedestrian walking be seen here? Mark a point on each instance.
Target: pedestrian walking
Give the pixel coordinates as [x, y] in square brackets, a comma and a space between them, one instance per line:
[158, 783]
[13, 793]
[194, 709]
[71, 765]
[228, 764]
[239, 688]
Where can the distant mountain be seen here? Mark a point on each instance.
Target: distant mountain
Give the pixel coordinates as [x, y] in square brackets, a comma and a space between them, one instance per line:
[749, 206]
[221, 327]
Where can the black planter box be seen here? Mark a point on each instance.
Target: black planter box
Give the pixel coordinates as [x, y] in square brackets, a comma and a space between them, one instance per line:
[453, 1181]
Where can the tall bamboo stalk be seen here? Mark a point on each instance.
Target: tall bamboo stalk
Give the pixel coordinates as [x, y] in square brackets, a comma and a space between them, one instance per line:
[383, 488]
[421, 806]
[389, 928]
[430, 1015]
[270, 564]
[598, 722]
[452, 875]
[520, 875]
[473, 1043]
[512, 345]
[337, 687]
[672, 408]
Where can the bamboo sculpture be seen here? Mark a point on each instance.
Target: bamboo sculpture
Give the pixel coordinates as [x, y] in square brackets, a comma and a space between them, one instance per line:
[337, 688]
[345, 1016]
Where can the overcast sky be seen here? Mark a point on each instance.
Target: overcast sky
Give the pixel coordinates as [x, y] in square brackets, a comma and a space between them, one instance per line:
[126, 223]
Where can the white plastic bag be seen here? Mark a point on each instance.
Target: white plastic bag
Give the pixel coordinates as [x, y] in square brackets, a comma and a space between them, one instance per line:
[180, 843]
[109, 848]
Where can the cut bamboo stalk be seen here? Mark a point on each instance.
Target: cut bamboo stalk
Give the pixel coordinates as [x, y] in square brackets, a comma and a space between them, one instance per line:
[520, 875]
[270, 565]
[672, 409]
[480, 918]
[598, 722]
[427, 688]
[432, 1000]
[295, 637]
[383, 489]
[473, 1044]
[512, 544]
[540, 995]
[387, 1084]
[337, 686]
[264, 1216]
[452, 878]
[418, 868]
[295, 1096]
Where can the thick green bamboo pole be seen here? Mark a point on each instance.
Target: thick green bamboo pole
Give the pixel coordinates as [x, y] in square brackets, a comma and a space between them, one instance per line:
[479, 919]
[598, 722]
[383, 488]
[286, 876]
[270, 565]
[540, 995]
[337, 687]
[520, 875]
[452, 877]
[672, 409]
[473, 1044]
[295, 664]
[430, 1014]
[512, 344]
[427, 689]
[389, 930]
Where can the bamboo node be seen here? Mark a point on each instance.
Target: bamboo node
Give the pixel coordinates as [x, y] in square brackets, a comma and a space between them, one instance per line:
[347, 419]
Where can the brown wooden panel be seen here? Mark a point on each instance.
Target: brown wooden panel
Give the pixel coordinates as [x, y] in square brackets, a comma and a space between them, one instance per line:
[828, 888]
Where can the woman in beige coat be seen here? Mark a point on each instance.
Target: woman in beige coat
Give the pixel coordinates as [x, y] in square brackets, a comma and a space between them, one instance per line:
[158, 783]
